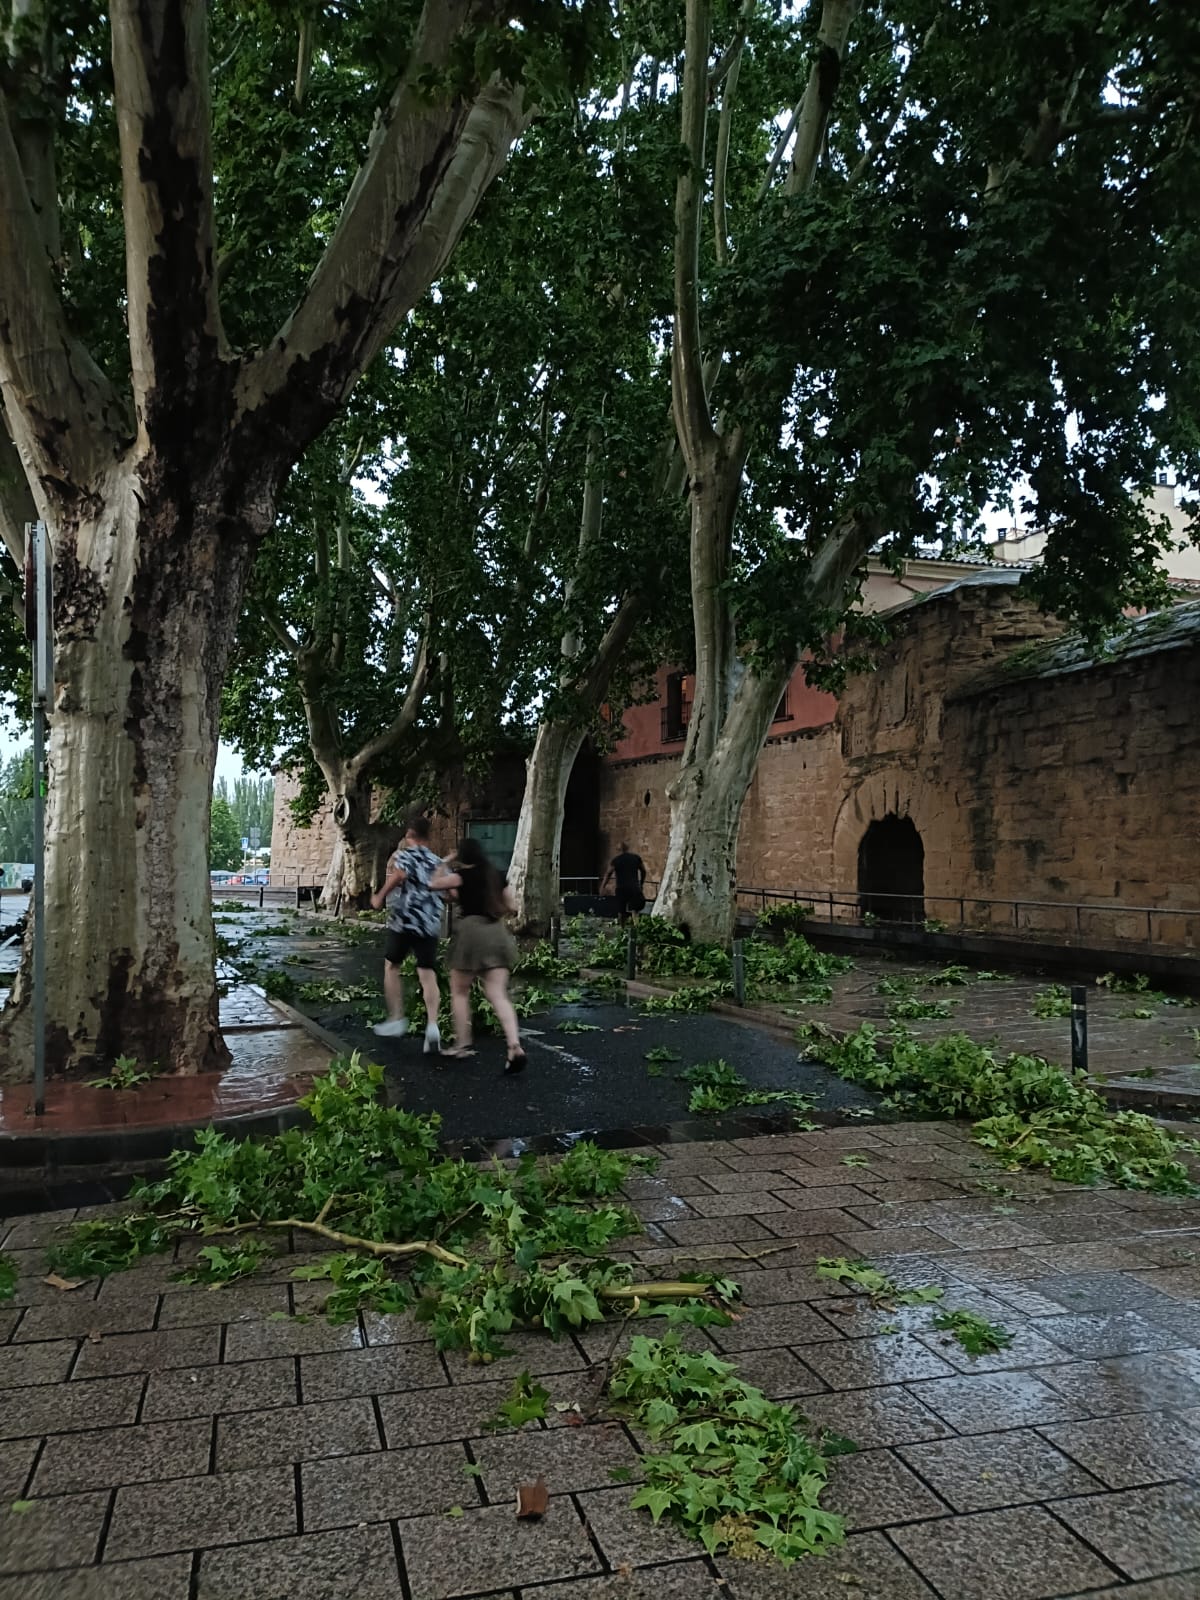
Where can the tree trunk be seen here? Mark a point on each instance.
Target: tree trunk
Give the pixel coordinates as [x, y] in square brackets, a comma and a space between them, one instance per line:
[534, 874]
[358, 863]
[700, 875]
[141, 651]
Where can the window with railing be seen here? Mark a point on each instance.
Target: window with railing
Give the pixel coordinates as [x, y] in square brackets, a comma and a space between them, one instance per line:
[677, 710]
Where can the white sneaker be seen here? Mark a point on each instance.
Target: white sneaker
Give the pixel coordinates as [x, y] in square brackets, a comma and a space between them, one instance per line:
[433, 1040]
[393, 1028]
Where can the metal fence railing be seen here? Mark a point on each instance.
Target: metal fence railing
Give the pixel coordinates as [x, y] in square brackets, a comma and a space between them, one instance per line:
[1083, 920]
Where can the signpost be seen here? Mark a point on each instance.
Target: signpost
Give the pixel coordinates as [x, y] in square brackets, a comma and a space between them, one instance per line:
[39, 629]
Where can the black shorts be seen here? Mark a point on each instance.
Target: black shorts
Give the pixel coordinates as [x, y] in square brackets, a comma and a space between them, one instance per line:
[630, 900]
[399, 943]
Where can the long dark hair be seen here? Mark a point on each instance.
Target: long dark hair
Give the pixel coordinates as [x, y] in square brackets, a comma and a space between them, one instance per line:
[471, 858]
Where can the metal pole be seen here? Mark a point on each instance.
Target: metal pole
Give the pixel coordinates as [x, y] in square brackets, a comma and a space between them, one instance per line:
[631, 954]
[39, 910]
[739, 972]
[41, 615]
[1079, 1039]
[555, 933]
[262, 893]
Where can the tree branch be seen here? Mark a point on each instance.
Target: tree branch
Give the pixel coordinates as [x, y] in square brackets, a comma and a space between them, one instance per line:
[881, 138]
[161, 84]
[721, 164]
[429, 161]
[399, 726]
[16, 502]
[63, 413]
[591, 522]
[820, 92]
[777, 155]
[693, 418]
[839, 558]
[31, 54]
[592, 685]
[278, 627]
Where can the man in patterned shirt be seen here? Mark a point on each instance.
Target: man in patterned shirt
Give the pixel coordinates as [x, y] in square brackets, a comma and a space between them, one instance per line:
[413, 924]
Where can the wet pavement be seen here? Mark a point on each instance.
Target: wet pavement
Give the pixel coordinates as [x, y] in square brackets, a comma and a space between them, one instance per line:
[1137, 1042]
[595, 1080]
[581, 1082]
[274, 1059]
[163, 1442]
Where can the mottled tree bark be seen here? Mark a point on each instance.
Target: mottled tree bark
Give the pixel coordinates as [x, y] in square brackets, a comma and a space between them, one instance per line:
[156, 500]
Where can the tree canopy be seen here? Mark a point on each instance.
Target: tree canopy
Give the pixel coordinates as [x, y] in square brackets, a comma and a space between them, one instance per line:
[224, 837]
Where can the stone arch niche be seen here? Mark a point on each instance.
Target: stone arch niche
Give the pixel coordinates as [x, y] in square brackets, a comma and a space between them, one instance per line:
[891, 870]
[882, 842]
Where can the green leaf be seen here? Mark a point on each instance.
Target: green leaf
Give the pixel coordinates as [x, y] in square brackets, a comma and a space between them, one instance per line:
[654, 1500]
[976, 1334]
[526, 1402]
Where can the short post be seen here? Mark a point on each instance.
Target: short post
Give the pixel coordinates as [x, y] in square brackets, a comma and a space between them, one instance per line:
[262, 894]
[631, 954]
[555, 933]
[1079, 1042]
[739, 972]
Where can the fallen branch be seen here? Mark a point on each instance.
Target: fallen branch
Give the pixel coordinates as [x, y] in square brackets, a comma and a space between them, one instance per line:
[656, 1291]
[351, 1241]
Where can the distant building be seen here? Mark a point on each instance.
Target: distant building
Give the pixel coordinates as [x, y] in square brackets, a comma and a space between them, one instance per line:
[1025, 546]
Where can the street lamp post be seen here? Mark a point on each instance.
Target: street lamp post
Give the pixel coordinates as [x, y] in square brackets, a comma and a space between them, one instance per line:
[39, 629]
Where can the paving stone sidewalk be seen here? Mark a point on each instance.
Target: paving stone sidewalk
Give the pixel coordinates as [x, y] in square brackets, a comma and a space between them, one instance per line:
[1135, 1040]
[165, 1442]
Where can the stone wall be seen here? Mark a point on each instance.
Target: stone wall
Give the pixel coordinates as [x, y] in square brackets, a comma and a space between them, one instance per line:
[1026, 782]
[298, 855]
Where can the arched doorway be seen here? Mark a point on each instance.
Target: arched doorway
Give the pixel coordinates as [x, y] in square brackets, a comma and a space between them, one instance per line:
[891, 870]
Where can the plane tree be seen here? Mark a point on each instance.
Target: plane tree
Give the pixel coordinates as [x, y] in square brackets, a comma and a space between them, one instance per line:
[923, 254]
[206, 237]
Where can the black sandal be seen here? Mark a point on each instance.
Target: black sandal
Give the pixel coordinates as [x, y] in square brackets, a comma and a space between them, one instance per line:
[516, 1063]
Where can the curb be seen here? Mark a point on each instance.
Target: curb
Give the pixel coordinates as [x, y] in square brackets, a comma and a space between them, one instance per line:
[54, 1152]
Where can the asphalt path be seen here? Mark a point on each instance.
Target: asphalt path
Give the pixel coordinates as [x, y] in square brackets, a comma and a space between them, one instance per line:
[594, 1081]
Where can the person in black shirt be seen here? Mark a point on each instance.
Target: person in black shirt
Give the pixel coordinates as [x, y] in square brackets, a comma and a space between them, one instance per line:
[629, 871]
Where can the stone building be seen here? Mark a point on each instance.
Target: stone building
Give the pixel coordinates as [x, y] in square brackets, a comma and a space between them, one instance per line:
[989, 769]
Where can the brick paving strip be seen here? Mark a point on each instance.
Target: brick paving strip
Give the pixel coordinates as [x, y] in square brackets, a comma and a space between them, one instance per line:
[166, 1442]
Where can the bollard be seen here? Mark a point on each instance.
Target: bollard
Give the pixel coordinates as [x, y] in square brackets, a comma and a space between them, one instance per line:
[1079, 1042]
[739, 972]
[555, 933]
[631, 955]
[262, 894]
